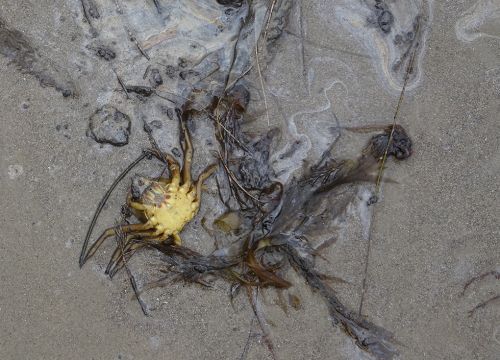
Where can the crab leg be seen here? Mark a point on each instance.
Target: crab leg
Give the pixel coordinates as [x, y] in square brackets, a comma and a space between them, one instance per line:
[201, 179]
[127, 244]
[174, 173]
[177, 239]
[173, 166]
[129, 250]
[111, 232]
[187, 148]
[116, 264]
[103, 202]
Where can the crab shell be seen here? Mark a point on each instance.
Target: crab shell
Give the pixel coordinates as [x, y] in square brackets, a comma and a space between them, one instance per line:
[162, 206]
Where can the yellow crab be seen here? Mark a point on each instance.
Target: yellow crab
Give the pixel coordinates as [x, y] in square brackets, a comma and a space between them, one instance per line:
[164, 206]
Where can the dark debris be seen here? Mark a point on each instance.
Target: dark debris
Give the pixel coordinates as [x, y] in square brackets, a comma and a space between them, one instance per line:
[109, 125]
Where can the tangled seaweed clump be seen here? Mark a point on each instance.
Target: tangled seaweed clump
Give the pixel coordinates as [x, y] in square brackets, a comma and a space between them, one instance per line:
[269, 224]
[273, 222]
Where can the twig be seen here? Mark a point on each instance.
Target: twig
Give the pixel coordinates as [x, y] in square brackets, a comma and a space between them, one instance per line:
[146, 72]
[233, 58]
[232, 136]
[134, 40]
[381, 171]
[119, 237]
[244, 353]
[122, 84]
[229, 87]
[302, 40]
[269, 18]
[409, 69]
[103, 202]
[151, 139]
[261, 81]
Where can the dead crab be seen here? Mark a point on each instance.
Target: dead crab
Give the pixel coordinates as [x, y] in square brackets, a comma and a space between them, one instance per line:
[163, 206]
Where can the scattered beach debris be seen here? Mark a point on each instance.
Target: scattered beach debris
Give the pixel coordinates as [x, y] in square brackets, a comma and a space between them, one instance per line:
[275, 224]
[269, 227]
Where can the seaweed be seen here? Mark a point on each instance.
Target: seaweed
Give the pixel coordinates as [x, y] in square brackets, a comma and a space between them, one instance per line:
[280, 220]
[277, 221]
